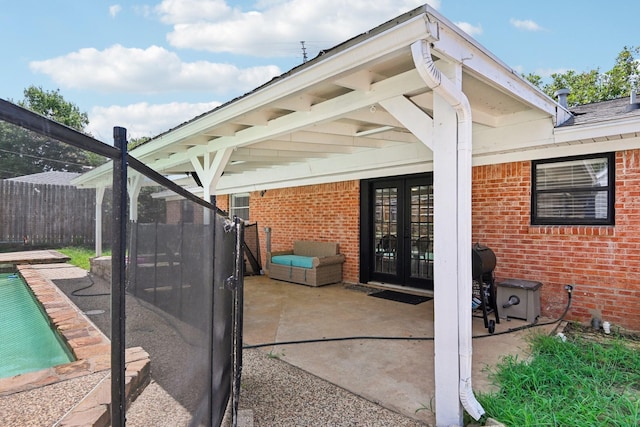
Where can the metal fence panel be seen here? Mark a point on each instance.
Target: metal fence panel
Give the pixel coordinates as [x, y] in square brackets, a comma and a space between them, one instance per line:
[179, 308]
[181, 298]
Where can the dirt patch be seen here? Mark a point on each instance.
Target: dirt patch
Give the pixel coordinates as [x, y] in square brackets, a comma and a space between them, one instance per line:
[578, 330]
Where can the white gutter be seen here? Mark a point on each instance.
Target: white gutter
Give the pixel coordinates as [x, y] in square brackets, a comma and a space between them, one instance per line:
[421, 51]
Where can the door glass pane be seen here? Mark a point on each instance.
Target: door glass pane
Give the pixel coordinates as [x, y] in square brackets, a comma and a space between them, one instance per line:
[421, 208]
[386, 230]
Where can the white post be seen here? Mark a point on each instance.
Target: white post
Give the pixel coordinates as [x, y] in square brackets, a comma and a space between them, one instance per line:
[98, 225]
[206, 194]
[210, 171]
[133, 188]
[449, 409]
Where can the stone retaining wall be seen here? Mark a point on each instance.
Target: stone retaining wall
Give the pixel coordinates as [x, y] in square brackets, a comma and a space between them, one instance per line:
[101, 267]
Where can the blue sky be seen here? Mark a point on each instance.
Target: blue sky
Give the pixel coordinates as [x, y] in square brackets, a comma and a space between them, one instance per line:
[151, 66]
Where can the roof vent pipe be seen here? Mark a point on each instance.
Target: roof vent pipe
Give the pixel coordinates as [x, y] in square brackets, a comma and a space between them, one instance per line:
[562, 95]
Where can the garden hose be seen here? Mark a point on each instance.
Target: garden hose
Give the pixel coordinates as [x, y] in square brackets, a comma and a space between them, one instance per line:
[76, 294]
[568, 288]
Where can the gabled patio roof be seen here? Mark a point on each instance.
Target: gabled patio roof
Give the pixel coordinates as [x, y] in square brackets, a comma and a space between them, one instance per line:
[380, 104]
[329, 119]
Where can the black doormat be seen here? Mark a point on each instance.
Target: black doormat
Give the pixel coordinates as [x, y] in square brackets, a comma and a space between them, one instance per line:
[400, 297]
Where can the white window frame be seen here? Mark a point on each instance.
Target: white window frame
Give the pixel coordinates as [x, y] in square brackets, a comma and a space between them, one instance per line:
[235, 208]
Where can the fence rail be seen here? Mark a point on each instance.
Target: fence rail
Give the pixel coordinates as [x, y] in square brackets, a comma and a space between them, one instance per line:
[46, 214]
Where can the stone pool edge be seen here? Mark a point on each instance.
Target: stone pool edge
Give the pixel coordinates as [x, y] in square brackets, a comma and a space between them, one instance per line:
[89, 345]
[91, 348]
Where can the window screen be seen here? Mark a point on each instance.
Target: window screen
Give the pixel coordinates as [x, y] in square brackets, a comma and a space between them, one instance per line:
[575, 190]
[240, 206]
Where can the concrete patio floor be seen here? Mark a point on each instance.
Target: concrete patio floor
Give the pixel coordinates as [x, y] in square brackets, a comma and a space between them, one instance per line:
[396, 374]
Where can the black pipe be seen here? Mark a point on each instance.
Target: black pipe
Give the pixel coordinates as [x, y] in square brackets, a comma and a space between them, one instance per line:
[568, 288]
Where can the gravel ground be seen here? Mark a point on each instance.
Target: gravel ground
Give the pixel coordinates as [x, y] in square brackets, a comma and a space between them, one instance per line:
[46, 405]
[274, 393]
[279, 394]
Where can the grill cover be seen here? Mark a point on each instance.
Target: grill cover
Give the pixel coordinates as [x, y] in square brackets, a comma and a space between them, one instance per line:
[483, 260]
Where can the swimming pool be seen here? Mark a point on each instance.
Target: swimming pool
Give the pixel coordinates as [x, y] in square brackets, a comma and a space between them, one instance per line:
[27, 342]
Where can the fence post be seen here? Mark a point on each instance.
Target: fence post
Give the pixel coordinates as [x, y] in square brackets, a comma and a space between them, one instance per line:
[118, 251]
[238, 319]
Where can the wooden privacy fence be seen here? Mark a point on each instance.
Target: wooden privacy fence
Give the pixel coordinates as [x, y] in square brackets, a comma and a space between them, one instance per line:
[45, 214]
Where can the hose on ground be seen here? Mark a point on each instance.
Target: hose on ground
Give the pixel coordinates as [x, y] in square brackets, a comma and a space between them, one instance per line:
[568, 288]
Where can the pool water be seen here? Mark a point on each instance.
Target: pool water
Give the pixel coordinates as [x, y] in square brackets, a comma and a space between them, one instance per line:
[27, 342]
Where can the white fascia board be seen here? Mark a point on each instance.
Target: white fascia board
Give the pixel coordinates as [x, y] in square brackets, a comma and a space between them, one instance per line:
[457, 46]
[98, 177]
[519, 135]
[597, 130]
[558, 150]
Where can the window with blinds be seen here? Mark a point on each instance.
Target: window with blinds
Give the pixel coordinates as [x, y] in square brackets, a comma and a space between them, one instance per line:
[573, 191]
[240, 206]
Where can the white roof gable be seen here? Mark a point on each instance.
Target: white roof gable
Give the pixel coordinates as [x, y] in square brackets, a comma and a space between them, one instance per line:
[324, 121]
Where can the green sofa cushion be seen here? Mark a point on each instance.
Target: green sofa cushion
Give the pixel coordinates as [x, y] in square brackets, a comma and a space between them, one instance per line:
[293, 260]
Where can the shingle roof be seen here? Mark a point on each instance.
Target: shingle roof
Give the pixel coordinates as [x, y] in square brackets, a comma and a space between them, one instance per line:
[51, 177]
[603, 111]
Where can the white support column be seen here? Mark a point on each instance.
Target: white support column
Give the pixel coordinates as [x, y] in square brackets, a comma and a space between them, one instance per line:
[448, 407]
[210, 171]
[133, 188]
[98, 230]
[440, 134]
[452, 218]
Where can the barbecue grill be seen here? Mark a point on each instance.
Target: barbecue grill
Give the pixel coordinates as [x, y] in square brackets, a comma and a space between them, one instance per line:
[483, 262]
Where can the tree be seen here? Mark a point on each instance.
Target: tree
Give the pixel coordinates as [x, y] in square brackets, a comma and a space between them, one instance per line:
[594, 86]
[23, 152]
[53, 106]
[135, 142]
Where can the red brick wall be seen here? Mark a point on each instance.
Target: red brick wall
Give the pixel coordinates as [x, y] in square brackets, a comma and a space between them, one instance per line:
[603, 263]
[174, 212]
[222, 202]
[327, 213]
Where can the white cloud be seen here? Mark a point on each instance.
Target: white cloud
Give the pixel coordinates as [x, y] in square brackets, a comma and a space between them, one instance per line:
[547, 72]
[114, 10]
[472, 30]
[277, 27]
[148, 71]
[526, 25]
[142, 119]
[189, 11]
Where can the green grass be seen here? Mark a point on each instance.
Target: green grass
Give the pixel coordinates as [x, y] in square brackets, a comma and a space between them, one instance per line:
[80, 255]
[579, 382]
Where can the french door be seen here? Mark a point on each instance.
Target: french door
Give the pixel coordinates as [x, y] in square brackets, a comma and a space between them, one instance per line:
[398, 239]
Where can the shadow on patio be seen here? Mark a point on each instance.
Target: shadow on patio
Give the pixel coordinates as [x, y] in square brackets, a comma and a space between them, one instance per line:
[397, 374]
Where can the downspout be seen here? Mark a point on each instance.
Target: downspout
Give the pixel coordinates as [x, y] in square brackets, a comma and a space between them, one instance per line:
[421, 51]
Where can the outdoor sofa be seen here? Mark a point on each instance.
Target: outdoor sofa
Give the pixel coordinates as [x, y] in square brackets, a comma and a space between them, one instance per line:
[308, 263]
